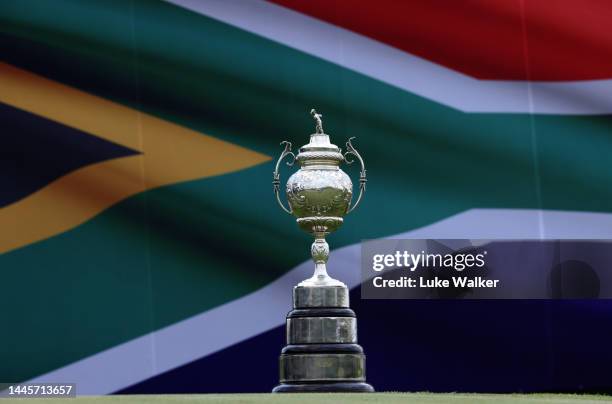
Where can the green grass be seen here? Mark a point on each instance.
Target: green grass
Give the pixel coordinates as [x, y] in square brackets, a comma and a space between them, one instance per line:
[338, 398]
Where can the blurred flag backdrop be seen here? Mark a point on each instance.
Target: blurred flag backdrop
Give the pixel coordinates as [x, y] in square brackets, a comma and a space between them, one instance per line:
[143, 251]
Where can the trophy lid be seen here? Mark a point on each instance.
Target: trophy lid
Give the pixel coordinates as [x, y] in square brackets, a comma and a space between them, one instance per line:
[319, 150]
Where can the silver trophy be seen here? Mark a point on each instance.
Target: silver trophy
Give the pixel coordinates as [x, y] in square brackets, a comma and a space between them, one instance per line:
[322, 352]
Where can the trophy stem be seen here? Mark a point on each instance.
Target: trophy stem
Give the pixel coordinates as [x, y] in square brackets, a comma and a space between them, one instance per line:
[320, 272]
[320, 254]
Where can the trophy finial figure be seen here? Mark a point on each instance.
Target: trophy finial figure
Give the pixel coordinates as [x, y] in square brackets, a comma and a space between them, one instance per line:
[317, 118]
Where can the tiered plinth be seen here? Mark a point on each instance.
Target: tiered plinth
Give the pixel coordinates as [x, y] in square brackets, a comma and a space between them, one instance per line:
[322, 354]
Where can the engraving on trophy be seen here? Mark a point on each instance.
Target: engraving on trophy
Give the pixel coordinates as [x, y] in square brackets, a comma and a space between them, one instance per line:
[322, 352]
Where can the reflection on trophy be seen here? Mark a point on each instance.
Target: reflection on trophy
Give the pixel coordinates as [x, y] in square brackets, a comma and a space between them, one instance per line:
[322, 352]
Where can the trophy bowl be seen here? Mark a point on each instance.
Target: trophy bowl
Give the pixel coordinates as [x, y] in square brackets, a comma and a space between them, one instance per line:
[319, 196]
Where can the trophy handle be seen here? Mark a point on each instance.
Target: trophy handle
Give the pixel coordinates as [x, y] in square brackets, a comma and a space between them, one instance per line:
[276, 179]
[362, 175]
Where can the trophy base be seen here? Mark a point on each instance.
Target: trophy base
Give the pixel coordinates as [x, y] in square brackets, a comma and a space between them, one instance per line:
[322, 354]
[339, 387]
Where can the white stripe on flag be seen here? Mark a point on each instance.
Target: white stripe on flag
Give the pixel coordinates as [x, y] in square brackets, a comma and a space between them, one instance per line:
[403, 70]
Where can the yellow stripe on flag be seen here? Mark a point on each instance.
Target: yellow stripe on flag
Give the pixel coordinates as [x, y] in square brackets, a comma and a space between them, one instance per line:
[170, 154]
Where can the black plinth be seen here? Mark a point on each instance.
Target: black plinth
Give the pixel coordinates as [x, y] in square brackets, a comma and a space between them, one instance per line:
[322, 354]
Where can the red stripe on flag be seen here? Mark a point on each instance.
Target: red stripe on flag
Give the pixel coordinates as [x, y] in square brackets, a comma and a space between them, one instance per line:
[567, 39]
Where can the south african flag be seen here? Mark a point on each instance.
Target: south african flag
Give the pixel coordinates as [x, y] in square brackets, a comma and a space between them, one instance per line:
[142, 248]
